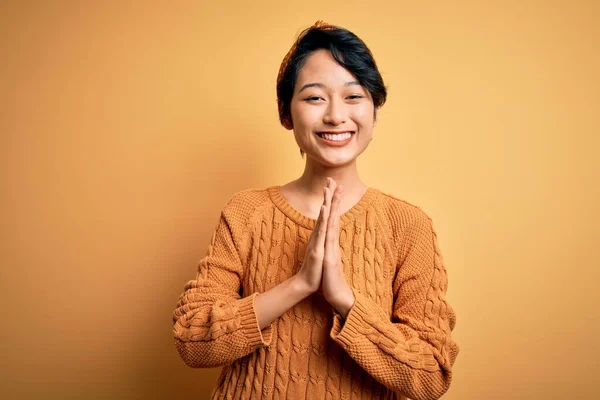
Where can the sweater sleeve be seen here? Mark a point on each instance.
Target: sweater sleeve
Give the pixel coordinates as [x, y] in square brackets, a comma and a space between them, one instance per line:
[412, 352]
[212, 324]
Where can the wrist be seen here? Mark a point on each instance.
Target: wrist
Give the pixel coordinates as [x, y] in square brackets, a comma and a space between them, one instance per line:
[299, 287]
[343, 302]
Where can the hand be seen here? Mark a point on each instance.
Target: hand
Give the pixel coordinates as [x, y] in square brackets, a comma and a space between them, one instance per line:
[311, 271]
[335, 287]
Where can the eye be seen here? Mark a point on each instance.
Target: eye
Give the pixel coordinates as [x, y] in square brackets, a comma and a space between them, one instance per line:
[313, 98]
[355, 97]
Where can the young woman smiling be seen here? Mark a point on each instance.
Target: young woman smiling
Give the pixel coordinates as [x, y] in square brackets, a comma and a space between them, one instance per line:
[323, 287]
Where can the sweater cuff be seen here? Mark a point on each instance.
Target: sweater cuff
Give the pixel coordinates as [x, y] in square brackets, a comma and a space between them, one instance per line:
[249, 323]
[347, 332]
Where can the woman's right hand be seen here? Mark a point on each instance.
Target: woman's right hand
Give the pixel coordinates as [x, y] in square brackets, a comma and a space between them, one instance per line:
[311, 271]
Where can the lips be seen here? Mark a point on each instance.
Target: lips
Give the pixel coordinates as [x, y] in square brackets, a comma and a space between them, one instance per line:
[335, 139]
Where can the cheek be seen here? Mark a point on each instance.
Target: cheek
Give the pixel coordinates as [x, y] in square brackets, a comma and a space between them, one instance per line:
[306, 116]
[364, 115]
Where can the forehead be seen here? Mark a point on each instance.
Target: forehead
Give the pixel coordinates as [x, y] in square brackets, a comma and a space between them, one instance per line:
[320, 66]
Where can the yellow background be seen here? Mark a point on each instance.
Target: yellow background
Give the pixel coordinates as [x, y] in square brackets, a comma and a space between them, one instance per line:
[125, 127]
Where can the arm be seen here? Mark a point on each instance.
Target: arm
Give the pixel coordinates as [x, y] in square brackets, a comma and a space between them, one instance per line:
[413, 352]
[277, 300]
[213, 325]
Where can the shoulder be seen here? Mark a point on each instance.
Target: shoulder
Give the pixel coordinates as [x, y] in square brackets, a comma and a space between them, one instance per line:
[408, 222]
[238, 215]
[400, 212]
[242, 205]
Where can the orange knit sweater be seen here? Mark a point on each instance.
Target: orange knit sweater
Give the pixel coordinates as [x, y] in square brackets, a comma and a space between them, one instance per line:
[396, 340]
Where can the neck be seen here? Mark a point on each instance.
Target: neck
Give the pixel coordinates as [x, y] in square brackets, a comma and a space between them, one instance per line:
[315, 176]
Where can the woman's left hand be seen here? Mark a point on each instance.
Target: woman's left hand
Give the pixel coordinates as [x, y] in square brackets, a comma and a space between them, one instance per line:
[335, 288]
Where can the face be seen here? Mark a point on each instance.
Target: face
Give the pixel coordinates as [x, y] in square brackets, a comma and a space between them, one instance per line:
[332, 114]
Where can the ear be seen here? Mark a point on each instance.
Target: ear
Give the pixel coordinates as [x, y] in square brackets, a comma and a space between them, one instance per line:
[374, 118]
[287, 123]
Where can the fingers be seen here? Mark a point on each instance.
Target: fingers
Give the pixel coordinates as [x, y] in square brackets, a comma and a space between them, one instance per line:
[333, 224]
[325, 210]
[335, 203]
[321, 226]
[331, 189]
[336, 226]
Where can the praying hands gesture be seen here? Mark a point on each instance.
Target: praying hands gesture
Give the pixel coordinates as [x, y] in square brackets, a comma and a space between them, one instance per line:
[322, 265]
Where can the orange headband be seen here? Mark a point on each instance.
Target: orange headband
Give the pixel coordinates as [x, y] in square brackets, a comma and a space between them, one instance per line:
[286, 60]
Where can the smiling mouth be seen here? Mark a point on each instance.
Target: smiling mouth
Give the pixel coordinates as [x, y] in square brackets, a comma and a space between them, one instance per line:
[337, 136]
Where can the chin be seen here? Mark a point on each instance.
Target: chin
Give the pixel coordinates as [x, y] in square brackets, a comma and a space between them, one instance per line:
[336, 161]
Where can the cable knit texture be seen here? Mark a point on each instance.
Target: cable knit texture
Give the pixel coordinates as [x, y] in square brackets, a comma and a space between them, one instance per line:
[395, 342]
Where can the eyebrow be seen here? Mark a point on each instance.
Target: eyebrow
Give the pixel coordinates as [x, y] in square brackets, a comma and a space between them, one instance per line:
[322, 86]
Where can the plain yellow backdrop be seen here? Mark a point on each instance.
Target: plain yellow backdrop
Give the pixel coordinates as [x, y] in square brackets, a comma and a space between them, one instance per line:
[126, 126]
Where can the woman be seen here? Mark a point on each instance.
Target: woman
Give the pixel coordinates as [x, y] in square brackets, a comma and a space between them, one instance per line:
[323, 287]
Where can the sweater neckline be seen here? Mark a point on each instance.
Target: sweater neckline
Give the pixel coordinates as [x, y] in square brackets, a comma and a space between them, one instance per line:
[299, 218]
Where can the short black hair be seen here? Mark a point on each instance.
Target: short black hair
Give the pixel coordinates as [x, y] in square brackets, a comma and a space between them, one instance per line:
[345, 47]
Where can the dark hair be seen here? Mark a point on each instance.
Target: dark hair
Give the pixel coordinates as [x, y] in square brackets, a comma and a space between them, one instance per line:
[345, 47]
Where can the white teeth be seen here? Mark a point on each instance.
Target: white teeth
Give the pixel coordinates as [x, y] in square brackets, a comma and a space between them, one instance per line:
[336, 137]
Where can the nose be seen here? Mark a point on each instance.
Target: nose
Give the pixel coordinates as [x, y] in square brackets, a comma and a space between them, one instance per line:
[336, 113]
